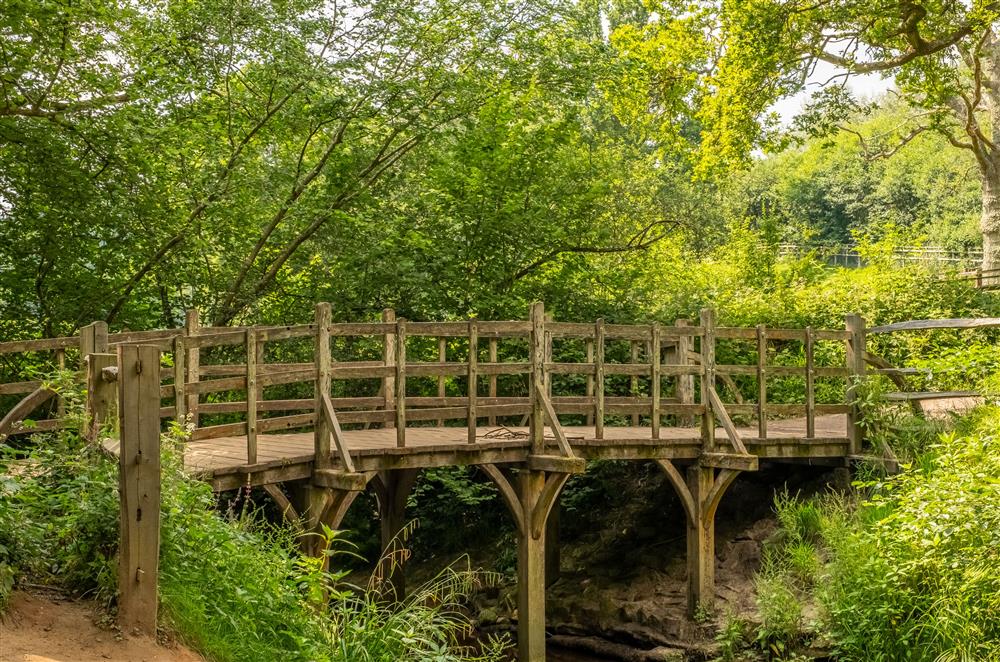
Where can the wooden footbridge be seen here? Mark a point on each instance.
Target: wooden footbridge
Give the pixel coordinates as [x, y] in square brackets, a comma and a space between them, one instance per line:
[317, 413]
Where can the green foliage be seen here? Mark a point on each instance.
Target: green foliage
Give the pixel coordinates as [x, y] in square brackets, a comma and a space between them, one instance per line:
[232, 588]
[910, 573]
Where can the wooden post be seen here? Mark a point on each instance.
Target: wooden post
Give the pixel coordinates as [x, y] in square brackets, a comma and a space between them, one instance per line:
[809, 347]
[192, 363]
[654, 376]
[396, 486]
[389, 359]
[856, 367]
[493, 378]
[530, 574]
[707, 377]
[139, 484]
[93, 339]
[685, 383]
[180, 397]
[321, 430]
[761, 381]
[473, 390]
[599, 380]
[251, 351]
[633, 382]
[401, 383]
[590, 378]
[442, 358]
[537, 420]
[61, 365]
[700, 541]
[102, 394]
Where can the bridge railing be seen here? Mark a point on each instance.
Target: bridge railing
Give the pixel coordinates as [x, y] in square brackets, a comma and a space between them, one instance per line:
[393, 373]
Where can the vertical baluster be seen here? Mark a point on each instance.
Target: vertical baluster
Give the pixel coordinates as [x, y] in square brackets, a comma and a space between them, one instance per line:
[810, 384]
[401, 383]
[762, 381]
[633, 382]
[707, 377]
[599, 379]
[493, 379]
[590, 379]
[389, 359]
[321, 429]
[251, 352]
[654, 376]
[442, 358]
[473, 390]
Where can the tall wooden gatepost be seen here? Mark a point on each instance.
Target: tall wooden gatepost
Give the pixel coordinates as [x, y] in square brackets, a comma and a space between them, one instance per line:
[139, 486]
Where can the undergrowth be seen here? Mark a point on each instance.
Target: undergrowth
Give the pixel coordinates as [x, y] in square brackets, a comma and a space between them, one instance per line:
[232, 587]
[906, 568]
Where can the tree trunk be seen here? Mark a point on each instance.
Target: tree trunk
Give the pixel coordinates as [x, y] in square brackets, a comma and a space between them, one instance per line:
[989, 225]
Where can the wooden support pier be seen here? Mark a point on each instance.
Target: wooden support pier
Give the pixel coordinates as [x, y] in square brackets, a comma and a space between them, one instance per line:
[317, 413]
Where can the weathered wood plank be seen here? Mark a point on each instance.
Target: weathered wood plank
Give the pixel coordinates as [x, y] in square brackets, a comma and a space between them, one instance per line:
[926, 325]
[473, 379]
[400, 383]
[139, 478]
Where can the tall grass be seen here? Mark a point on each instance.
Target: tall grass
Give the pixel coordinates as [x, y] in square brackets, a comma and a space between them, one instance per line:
[910, 568]
[232, 587]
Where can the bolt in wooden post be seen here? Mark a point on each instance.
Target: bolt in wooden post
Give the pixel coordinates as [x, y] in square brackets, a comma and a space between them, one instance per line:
[139, 484]
[707, 377]
[473, 386]
[389, 359]
[537, 420]
[321, 430]
[856, 368]
[192, 362]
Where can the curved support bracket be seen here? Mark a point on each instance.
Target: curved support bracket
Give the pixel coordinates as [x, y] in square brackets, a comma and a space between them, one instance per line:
[554, 483]
[508, 493]
[722, 482]
[681, 488]
[21, 410]
[287, 509]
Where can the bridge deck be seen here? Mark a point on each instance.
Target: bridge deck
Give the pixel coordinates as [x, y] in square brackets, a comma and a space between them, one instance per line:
[283, 457]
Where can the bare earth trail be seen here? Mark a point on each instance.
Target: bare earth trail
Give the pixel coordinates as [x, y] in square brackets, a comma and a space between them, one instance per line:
[54, 629]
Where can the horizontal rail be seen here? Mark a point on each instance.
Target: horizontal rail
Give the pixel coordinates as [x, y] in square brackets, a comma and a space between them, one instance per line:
[926, 325]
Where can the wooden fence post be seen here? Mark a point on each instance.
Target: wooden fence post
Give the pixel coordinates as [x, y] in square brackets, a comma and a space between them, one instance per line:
[707, 377]
[102, 395]
[856, 367]
[93, 339]
[473, 378]
[321, 431]
[139, 484]
[762, 381]
[685, 383]
[493, 378]
[389, 359]
[400, 383]
[192, 361]
[251, 351]
[537, 420]
[599, 379]
[654, 376]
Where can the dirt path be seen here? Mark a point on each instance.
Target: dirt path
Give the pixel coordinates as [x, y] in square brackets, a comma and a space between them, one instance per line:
[39, 628]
